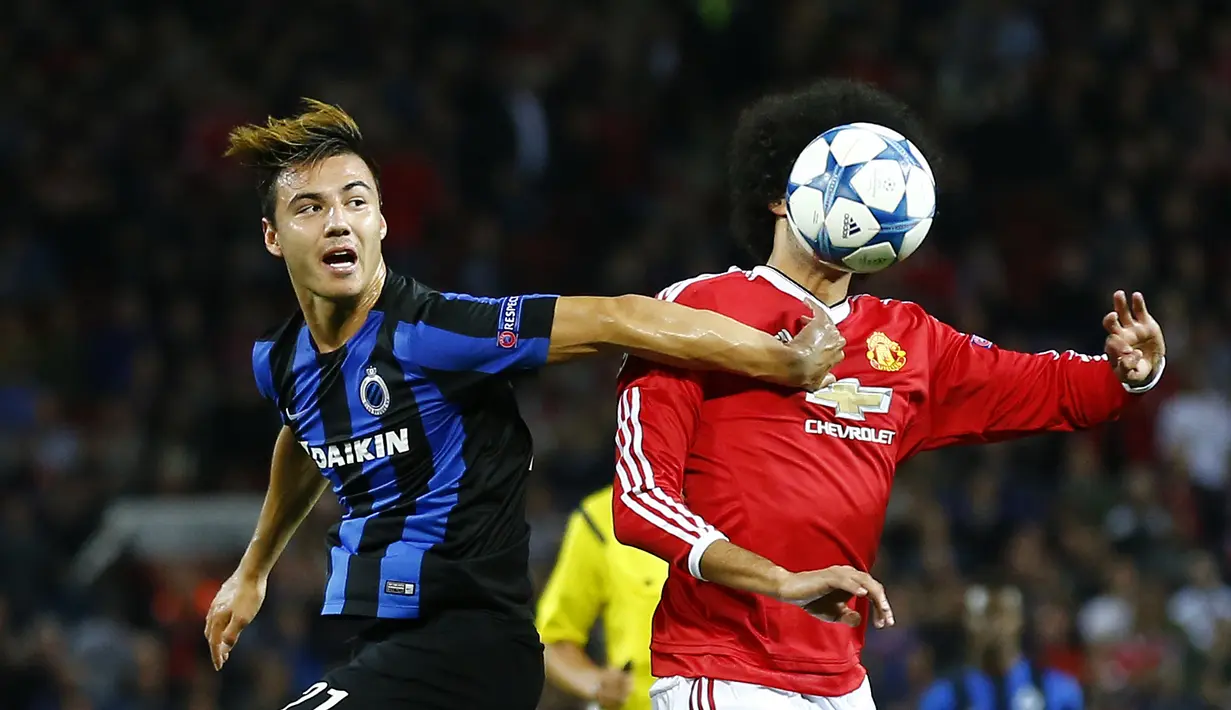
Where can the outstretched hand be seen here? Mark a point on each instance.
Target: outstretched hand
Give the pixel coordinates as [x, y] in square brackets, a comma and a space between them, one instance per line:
[819, 348]
[825, 594]
[1134, 345]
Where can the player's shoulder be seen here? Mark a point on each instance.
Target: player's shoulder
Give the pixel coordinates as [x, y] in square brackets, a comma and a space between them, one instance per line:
[272, 355]
[890, 308]
[405, 298]
[706, 290]
[285, 332]
[595, 512]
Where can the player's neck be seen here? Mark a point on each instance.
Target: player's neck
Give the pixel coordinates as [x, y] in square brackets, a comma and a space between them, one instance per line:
[829, 285]
[332, 322]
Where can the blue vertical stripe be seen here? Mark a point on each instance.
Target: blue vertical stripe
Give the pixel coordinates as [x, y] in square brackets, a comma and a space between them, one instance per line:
[379, 472]
[406, 566]
[303, 404]
[310, 426]
[335, 586]
[445, 435]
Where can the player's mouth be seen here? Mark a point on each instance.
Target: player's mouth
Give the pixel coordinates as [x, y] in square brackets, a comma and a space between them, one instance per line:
[341, 260]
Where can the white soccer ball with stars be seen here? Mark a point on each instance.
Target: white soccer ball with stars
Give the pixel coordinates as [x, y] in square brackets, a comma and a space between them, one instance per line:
[861, 197]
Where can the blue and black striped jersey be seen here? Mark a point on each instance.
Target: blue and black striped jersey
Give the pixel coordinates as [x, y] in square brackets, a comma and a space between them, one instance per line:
[415, 424]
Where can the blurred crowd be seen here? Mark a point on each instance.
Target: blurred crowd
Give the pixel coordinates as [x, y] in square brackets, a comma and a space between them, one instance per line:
[547, 145]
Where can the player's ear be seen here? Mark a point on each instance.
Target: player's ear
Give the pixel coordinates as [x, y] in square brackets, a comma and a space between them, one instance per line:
[778, 208]
[384, 227]
[271, 238]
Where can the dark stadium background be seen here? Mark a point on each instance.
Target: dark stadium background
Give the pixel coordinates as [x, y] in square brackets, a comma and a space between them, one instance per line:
[548, 145]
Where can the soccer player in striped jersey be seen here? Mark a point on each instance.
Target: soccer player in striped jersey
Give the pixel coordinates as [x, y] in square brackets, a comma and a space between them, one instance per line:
[400, 396]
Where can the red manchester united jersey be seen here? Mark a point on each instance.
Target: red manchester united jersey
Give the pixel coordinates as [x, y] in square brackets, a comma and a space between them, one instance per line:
[804, 478]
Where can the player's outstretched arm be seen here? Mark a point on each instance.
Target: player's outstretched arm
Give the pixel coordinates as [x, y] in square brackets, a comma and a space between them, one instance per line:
[295, 485]
[981, 393]
[672, 334]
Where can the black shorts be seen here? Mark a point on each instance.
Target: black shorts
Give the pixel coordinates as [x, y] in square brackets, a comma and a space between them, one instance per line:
[458, 660]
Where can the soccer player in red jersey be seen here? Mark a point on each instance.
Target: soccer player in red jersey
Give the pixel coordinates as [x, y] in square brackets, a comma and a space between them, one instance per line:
[760, 497]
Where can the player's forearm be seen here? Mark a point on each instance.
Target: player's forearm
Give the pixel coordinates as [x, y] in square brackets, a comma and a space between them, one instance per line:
[733, 566]
[670, 334]
[569, 668]
[294, 487]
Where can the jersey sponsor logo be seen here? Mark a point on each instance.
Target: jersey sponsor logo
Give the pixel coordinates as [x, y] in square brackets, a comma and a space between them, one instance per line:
[851, 400]
[292, 416]
[361, 450]
[850, 432]
[980, 342]
[510, 322]
[885, 354]
[374, 393]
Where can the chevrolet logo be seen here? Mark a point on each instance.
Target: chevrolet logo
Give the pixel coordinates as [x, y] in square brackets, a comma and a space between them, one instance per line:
[850, 400]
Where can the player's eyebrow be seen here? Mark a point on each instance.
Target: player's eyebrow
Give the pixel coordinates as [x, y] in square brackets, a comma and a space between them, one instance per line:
[304, 196]
[317, 196]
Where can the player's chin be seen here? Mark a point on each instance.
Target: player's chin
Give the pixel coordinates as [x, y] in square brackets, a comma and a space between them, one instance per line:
[335, 283]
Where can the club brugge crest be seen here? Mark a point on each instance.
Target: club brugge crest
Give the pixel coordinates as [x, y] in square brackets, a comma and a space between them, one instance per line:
[374, 393]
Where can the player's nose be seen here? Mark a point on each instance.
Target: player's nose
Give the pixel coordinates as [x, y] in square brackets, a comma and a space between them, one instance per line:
[336, 224]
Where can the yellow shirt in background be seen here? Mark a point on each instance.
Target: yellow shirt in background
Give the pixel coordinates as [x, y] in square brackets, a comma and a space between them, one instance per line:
[594, 575]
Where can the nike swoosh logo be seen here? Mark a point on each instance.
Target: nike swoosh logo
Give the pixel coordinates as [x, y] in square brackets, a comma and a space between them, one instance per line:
[296, 415]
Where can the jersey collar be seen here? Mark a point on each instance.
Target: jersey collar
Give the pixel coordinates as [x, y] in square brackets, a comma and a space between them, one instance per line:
[783, 283]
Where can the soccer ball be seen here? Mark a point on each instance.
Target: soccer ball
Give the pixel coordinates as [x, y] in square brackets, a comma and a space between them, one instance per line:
[861, 197]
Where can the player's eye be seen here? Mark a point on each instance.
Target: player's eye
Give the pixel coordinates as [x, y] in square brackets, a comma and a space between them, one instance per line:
[357, 202]
[308, 209]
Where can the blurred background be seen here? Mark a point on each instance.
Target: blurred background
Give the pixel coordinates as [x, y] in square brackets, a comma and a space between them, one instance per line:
[547, 145]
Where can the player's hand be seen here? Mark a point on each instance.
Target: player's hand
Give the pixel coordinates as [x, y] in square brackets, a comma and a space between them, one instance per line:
[614, 687]
[824, 594]
[1135, 345]
[233, 608]
[818, 349]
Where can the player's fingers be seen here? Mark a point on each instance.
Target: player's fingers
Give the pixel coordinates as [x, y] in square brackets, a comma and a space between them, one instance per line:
[1116, 347]
[850, 617]
[1111, 323]
[1140, 312]
[848, 582]
[230, 637]
[218, 621]
[1121, 307]
[829, 380]
[880, 603]
[1141, 369]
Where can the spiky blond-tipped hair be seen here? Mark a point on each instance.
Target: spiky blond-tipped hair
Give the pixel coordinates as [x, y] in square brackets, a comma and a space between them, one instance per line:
[319, 131]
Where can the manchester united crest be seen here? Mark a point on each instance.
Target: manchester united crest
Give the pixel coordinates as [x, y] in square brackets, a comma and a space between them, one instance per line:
[884, 354]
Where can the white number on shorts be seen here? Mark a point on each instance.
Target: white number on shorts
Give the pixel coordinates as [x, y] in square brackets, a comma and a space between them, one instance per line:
[335, 696]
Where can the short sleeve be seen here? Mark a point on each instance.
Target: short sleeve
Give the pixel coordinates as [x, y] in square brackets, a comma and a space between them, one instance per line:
[455, 332]
[262, 371]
